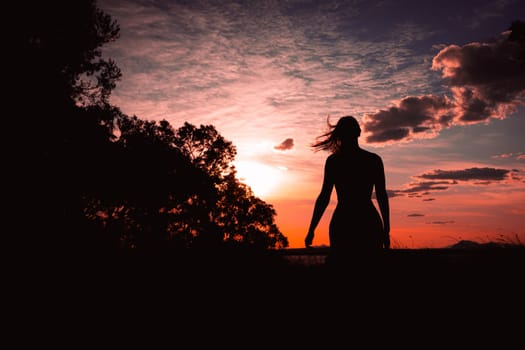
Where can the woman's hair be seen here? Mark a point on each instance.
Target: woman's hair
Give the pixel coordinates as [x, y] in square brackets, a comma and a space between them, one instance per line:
[346, 129]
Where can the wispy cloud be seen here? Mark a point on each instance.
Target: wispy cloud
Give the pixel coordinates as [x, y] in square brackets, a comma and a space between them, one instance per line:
[511, 155]
[486, 11]
[252, 66]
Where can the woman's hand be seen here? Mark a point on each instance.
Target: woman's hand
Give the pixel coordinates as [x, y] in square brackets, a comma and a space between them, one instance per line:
[386, 237]
[309, 239]
[386, 241]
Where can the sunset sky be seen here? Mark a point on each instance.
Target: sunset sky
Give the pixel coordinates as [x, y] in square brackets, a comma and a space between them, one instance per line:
[434, 84]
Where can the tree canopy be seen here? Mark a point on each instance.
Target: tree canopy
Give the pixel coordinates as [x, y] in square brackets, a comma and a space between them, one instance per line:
[103, 179]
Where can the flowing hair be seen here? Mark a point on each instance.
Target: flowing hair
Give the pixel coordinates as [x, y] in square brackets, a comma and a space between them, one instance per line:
[338, 134]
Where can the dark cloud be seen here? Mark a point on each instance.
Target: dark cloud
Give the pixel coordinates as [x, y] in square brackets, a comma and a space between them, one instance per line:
[412, 115]
[391, 193]
[442, 180]
[471, 174]
[394, 193]
[516, 176]
[285, 145]
[424, 187]
[486, 80]
[415, 215]
[419, 189]
[429, 199]
[441, 222]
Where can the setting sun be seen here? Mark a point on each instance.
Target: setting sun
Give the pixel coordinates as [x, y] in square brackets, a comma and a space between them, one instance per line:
[261, 178]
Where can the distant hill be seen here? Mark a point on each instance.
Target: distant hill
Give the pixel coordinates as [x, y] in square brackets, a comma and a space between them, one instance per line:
[468, 244]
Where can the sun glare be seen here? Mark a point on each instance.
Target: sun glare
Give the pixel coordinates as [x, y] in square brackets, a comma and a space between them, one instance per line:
[262, 178]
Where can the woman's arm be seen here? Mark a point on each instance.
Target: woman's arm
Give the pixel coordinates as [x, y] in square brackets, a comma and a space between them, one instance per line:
[382, 201]
[322, 201]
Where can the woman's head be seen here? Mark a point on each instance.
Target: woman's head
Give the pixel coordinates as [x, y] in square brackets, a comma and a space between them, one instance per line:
[344, 132]
[347, 127]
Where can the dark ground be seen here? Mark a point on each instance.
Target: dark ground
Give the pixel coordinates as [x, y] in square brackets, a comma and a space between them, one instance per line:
[396, 272]
[453, 298]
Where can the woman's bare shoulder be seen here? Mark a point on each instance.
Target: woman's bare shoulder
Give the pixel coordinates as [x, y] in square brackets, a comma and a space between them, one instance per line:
[370, 155]
[331, 157]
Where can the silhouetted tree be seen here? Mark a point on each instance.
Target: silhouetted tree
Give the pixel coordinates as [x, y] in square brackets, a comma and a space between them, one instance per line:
[61, 51]
[178, 188]
[89, 176]
[206, 148]
[57, 58]
[246, 219]
[237, 216]
[150, 181]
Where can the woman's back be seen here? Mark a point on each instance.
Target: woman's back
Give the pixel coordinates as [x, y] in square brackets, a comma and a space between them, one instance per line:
[354, 175]
[356, 224]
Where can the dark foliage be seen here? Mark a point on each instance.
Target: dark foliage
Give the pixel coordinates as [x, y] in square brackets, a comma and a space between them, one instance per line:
[92, 179]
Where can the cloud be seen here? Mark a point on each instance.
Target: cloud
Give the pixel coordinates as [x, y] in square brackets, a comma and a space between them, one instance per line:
[441, 222]
[415, 215]
[411, 117]
[487, 80]
[486, 11]
[516, 176]
[512, 155]
[421, 188]
[441, 180]
[517, 156]
[424, 187]
[248, 67]
[484, 80]
[392, 193]
[285, 145]
[484, 174]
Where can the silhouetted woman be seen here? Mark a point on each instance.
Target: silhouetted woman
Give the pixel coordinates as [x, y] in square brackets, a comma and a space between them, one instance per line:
[356, 227]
